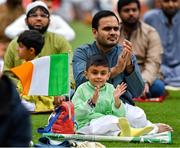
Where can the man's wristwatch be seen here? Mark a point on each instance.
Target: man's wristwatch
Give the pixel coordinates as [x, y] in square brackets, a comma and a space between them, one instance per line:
[91, 104]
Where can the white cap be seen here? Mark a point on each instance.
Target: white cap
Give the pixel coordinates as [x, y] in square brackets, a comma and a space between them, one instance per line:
[32, 5]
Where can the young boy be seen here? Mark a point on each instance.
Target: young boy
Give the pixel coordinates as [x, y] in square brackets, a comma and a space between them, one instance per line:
[98, 108]
[30, 44]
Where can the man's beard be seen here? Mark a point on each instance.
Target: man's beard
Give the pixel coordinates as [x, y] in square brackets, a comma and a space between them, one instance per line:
[107, 45]
[132, 25]
[42, 30]
[170, 13]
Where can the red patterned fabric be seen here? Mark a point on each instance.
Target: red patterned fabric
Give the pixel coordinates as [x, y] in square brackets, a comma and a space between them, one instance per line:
[157, 99]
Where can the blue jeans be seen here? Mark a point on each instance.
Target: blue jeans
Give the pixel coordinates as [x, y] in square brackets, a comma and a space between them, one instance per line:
[157, 88]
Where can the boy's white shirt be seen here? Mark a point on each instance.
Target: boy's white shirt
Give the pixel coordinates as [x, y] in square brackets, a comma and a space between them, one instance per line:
[57, 25]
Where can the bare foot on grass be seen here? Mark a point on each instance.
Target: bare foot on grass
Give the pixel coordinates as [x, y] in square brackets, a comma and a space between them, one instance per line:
[164, 128]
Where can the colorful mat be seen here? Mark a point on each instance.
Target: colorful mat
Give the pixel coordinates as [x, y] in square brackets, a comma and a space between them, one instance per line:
[164, 137]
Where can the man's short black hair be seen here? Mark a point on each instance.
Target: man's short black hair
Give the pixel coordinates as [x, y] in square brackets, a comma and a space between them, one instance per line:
[101, 14]
[122, 3]
[97, 60]
[32, 39]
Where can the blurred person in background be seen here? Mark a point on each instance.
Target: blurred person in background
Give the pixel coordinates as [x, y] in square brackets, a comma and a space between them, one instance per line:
[145, 6]
[37, 18]
[65, 10]
[166, 21]
[81, 10]
[146, 45]
[57, 25]
[15, 125]
[150, 4]
[9, 11]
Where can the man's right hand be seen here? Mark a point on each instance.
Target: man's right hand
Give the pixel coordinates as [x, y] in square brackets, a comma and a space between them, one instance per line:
[124, 59]
[121, 63]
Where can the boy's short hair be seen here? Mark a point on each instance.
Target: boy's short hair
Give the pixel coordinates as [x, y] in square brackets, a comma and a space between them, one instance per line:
[97, 60]
[32, 39]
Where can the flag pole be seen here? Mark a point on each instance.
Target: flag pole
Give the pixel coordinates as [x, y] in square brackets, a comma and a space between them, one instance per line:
[69, 89]
[69, 76]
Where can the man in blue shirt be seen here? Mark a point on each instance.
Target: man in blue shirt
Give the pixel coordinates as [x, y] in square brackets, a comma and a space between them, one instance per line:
[167, 22]
[123, 64]
[121, 60]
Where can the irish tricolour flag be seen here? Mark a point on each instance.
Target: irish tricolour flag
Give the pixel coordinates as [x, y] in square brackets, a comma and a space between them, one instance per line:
[45, 76]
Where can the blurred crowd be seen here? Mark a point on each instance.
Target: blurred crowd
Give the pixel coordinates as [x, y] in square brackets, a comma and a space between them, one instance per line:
[146, 41]
[68, 10]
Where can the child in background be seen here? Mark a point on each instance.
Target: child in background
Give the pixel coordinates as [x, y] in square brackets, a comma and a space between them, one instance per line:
[30, 44]
[98, 109]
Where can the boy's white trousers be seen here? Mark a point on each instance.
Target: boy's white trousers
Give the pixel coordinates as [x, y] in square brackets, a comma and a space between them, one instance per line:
[107, 124]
